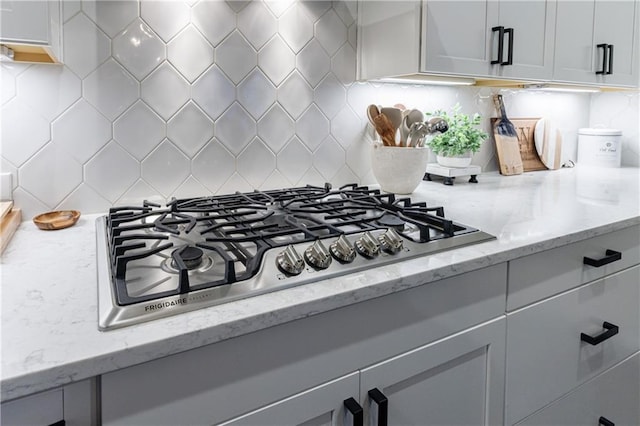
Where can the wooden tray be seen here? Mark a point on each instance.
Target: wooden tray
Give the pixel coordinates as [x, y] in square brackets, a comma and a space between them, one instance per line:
[55, 220]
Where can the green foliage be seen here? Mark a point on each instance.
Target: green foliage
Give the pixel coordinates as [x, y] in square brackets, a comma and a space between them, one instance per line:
[462, 136]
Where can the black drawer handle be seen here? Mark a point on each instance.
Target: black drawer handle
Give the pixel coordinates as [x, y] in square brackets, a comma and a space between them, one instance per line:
[509, 61]
[605, 422]
[604, 48]
[610, 70]
[352, 406]
[611, 256]
[383, 405]
[612, 330]
[500, 31]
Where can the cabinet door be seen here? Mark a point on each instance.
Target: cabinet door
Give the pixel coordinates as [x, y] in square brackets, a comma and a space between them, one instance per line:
[320, 406]
[533, 25]
[614, 396]
[616, 25]
[458, 380]
[457, 36]
[24, 21]
[581, 26]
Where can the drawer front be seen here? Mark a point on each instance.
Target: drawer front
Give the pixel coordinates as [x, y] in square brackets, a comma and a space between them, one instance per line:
[42, 409]
[540, 275]
[546, 357]
[612, 396]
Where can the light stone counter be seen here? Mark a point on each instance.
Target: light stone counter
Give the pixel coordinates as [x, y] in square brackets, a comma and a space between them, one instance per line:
[48, 289]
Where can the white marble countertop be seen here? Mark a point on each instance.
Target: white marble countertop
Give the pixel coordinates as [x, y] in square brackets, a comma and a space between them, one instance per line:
[49, 331]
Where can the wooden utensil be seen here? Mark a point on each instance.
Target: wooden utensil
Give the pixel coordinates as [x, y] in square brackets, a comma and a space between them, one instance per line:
[525, 130]
[506, 139]
[8, 225]
[5, 208]
[385, 129]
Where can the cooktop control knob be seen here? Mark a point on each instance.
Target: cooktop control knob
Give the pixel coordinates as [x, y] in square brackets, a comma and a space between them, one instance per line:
[317, 255]
[289, 261]
[390, 241]
[342, 250]
[367, 245]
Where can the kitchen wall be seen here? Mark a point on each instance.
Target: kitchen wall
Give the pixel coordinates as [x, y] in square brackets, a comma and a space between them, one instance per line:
[160, 99]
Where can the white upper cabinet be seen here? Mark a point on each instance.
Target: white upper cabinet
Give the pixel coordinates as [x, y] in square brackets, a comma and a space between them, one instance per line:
[604, 53]
[502, 39]
[31, 29]
[490, 38]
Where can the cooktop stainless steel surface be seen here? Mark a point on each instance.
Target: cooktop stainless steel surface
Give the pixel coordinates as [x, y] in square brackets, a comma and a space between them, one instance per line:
[155, 261]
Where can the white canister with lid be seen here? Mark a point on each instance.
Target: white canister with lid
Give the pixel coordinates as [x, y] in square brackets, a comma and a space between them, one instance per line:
[599, 147]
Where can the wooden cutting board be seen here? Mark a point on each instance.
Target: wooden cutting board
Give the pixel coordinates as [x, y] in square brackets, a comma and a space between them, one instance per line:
[5, 208]
[8, 226]
[525, 129]
[505, 136]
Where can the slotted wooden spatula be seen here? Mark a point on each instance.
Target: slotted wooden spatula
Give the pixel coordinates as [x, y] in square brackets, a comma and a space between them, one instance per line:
[506, 138]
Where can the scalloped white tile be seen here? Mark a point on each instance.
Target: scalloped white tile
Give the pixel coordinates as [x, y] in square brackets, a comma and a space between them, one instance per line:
[24, 132]
[235, 183]
[48, 90]
[166, 18]
[214, 19]
[213, 81]
[275, 181]
[295, 28]
[276, 127]
[70, 8]
[235, 128]
[330, 95]
[276, 60]
[190, 53]
[235, 57]
[346, 127]
[295, 94]
[111, 16]
[312, 127]
[138, 49]
[213, 165]
[328, 158]
[140, 190]
[85, 199]
[190, 129]
[315, 8]
[278, 7]
[257, 23]
[63, 174]
[191, 188]
[85, 45]
[256, 93]
[343, 64]
[165, 168]
[81, 131]
[256, 162]
[294, 160]
[111, 89]
[313, 63]
[331, 32]
[109, 181]
[165, 90]
[8, 86]
[139, 130]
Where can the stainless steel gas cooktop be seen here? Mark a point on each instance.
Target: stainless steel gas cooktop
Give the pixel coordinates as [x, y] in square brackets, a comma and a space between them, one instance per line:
[155, 261]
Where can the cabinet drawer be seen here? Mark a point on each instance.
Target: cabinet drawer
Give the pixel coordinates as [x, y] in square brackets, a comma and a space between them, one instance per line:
[42, 409]
[540, 275]
[545, 355]
[614, 395]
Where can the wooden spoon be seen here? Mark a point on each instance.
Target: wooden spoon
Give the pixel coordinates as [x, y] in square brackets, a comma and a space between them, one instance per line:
[385, 129]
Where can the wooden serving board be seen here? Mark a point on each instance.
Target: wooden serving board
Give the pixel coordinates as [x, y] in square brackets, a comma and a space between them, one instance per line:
[526, 151]
[5, 208]
[8, 226]
[508, 152]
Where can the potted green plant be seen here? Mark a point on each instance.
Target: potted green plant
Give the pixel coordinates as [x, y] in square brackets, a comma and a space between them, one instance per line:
[455, 147]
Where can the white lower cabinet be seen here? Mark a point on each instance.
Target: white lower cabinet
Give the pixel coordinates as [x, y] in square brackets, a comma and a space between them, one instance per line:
[612, 398]
[436, 351]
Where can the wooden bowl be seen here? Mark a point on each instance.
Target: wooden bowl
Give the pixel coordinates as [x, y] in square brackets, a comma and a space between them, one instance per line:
[60, 219]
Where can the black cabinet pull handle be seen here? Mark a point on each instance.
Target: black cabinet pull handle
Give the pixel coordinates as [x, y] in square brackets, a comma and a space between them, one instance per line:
[500, 31]
[610, 70]
[611, 256]
[605, 422]
[510, 48]
[604, 58]
[383, 405]
[352, 406]
[612, 330]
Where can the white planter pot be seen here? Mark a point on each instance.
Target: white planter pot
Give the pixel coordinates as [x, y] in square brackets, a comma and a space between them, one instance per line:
[398, 169]
[457, 161]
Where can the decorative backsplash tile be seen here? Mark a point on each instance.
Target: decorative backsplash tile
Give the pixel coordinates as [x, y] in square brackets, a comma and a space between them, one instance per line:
[185, 98]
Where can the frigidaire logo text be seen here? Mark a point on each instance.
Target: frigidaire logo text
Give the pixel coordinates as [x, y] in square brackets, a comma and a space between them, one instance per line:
[168, 304]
